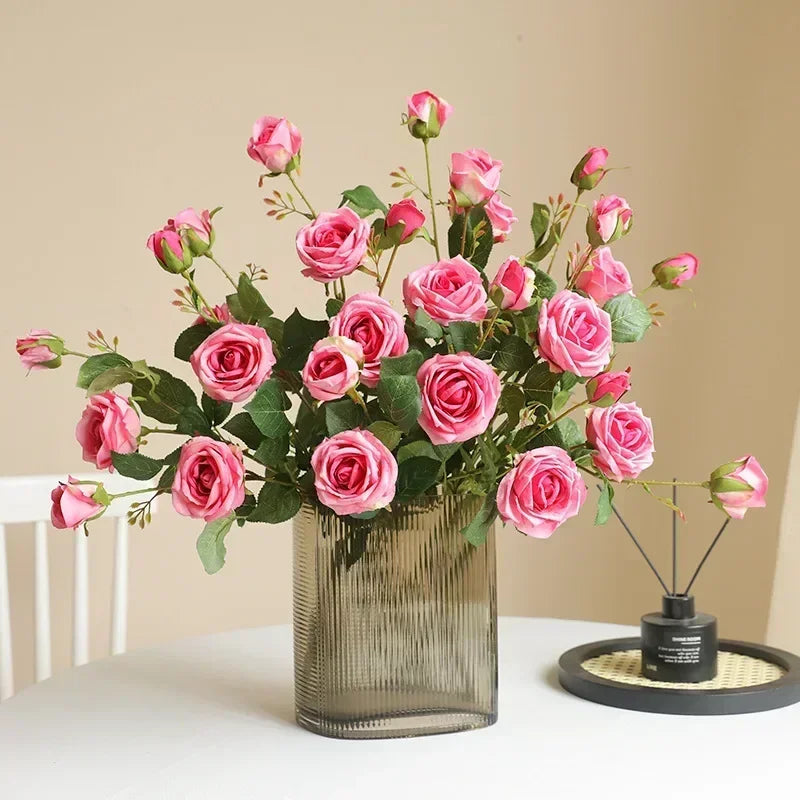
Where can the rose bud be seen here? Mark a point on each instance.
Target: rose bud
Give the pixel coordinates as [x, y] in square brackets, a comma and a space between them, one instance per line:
[170, 250]
[220, 311]
[73, 504]
[195, 230]
[513, 286]
[590, 170]
[333, 368]
[405, 214]
[603, 277]
[622, 438]
[427, 115]
[447, 291]
[607, 388]
[675, 271]
[740, 485]
[40, 349]
[276, 144]
[333, 245]
[109, 424]
[501, 217]
[611, 218]
[474, 177]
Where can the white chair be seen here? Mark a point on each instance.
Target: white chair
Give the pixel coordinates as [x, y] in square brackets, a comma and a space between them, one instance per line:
[27, 500]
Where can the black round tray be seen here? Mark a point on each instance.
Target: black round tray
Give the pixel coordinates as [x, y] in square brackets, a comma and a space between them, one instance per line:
[703, 699]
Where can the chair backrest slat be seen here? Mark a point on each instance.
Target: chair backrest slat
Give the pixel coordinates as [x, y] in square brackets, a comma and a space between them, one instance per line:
[80, 600]
[119, 597]
[6, 661]
[42, 603]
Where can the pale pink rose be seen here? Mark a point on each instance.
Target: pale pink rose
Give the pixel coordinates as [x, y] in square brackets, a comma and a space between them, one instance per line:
[515, 283]
[740, 485]
[675, 271]
[371, 321]
[40, 349]
[109, 424]
[405, 213]
[500, 216]
[354, 472]
[170, 250]
[209, 479]
[459, 397]
[590, 170]
[221, 312]
[196, 229]
[604, 277]
[611, 218]
[333, 368]
[574, 334]
[474, 176]
[622, 438]
[333, 245]
[72, 505]
[233, 362]
[543, 490]
[447, 291]
[608, 387]
[427, 114]
[275, 143]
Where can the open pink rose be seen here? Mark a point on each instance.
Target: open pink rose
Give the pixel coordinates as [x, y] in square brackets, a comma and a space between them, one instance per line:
[590, 170]
[474, 177]
[40, 349]
[447, 291]
[514, 284]
[622, 437]
[233, 362]
[333, 368]
[371, 321]
[611, 218]
[604, 277]
[427, 114]
[543, 490]
[72, 505]
[501, 217]
[209, 479]
[109, 424]
[574, 334]
[459, 397]
[405, 213]
[354, 472]
[333, 245]
[740, 485]
[275, 143]
[674, 272]
[608, 387]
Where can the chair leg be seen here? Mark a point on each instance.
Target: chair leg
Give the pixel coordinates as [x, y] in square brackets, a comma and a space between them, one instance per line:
[80, 599]
[6, 661]
[42, 604]
[119, 607]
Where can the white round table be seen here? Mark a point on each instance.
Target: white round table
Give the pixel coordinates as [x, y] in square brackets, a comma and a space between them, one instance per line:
[213, 718]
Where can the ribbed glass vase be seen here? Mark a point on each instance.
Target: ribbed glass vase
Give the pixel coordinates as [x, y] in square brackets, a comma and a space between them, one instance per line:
[395, 621]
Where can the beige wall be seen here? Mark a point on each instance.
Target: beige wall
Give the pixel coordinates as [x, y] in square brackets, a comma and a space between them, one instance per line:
[115, 115]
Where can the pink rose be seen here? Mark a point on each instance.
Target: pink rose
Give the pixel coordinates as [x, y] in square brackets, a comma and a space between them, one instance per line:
[459, 397]
[370, 321]
[354, 472]
[500, 216]
[276, 144]
[209, 479]
[608, 387]
[514, 284]
[333, 245]
[407, 214]
[333, 368]
[574, 334]
[109, 424]
[40, 349]
[427, 114]
[233, 362]
[170, 250]
[195, 227]
[447, 291]
[740, 485]
[73, 505]
[622, 437]
[474, 177]
[604, 277]
[543, 490]
[590, 169]
[675, 271]
[221, 312]
[610, 219]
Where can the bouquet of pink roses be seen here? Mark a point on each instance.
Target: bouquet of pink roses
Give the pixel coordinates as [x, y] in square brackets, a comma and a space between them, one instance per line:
[471, 391]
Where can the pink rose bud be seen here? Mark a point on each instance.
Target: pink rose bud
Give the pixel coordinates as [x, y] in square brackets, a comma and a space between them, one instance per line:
[220, 311]
[607, 388]
[513, 286]
[603, 277]
[195, 229]
[209, 479]
[541, 492]
[622, 438]
[407, 214]
[109, 424]
[574, 334]
[590, 170]
[675, 271]
[427, 115]
[333, 367]
[40, 349]
[333, 245]
[170, 249]
[474, 177]
[73, 505]
[501, 217]
[740, 485]
[459, 397]
[276, 144]
[448, 291]
[354, 472]
[611, 218]
[233, 362]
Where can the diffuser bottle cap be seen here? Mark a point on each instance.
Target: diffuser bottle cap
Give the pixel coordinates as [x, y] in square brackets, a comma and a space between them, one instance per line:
[677, 606]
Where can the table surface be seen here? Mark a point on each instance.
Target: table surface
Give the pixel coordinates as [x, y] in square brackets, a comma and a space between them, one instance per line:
[212, 717]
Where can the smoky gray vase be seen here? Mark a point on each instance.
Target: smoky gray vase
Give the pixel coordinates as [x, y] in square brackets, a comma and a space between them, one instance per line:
[395, 621]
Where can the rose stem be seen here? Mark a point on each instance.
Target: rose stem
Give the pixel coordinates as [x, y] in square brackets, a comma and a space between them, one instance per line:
[382, 284]
[708, 553]
[225, 272]
[300, 192]
[563, 232]
[430, 198]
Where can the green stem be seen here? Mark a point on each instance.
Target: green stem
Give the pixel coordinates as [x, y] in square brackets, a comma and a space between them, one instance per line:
[488, 330]
[148, 431]
[222, 269]
[204, 303]
[701, 484]
[344, 290]
[300, 192]
[561, 416]
[388, 270]
[74, 353]
[430, 198]
[563, 232]
[133, 492]
[464, 231]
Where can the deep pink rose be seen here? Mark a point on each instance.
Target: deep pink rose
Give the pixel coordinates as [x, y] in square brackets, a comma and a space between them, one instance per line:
[333, 245]
[354, 472]
[333, 368]
[459, 397]
[40, 349]
[233, 362]
[275, 143]
[209, 479]
[405, 213]
[72, 505]
[447, 291]
[109, 424]
[622, 437]
[515, 284]
[604, 277]
[474, 177]
[220, 311]
[427, 114]
[171, 251]
[740, 485]
[675, 271]
[543, 490]
[376, 326]
[608, 387]
[590, 170]
[574, 334]
[610, 219]
[501, 217]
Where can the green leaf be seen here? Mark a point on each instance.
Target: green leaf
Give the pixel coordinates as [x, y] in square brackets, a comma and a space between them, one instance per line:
[540, 220]
[299, 336]
[111, 378]
[136, 465]
[272, 452]
[426, 327]
[546, 246]
[463, 336]
[211, 543]
[168, 400]
[629, 318]
[386, 432]
[342, 415]
[547, 438]
[444, 451]
[276, 503]
[266, 409]
[193, 422]
[216, 412]
[167, 477]
[189, 340]
[407, 364]
[567, 381]
[560, 399]
[604, 504]
[570, 433]
[245, 509]
[540, 382]
[398, 391]
[526, 322]
[514, 355]
[475, 251]
[420, 448]
[96, 365]
[475, 532]
[545, 285]
[512, 401]
[415, 476]
[243, 427]
[247, 305]
[333, 306]
[363, 201]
